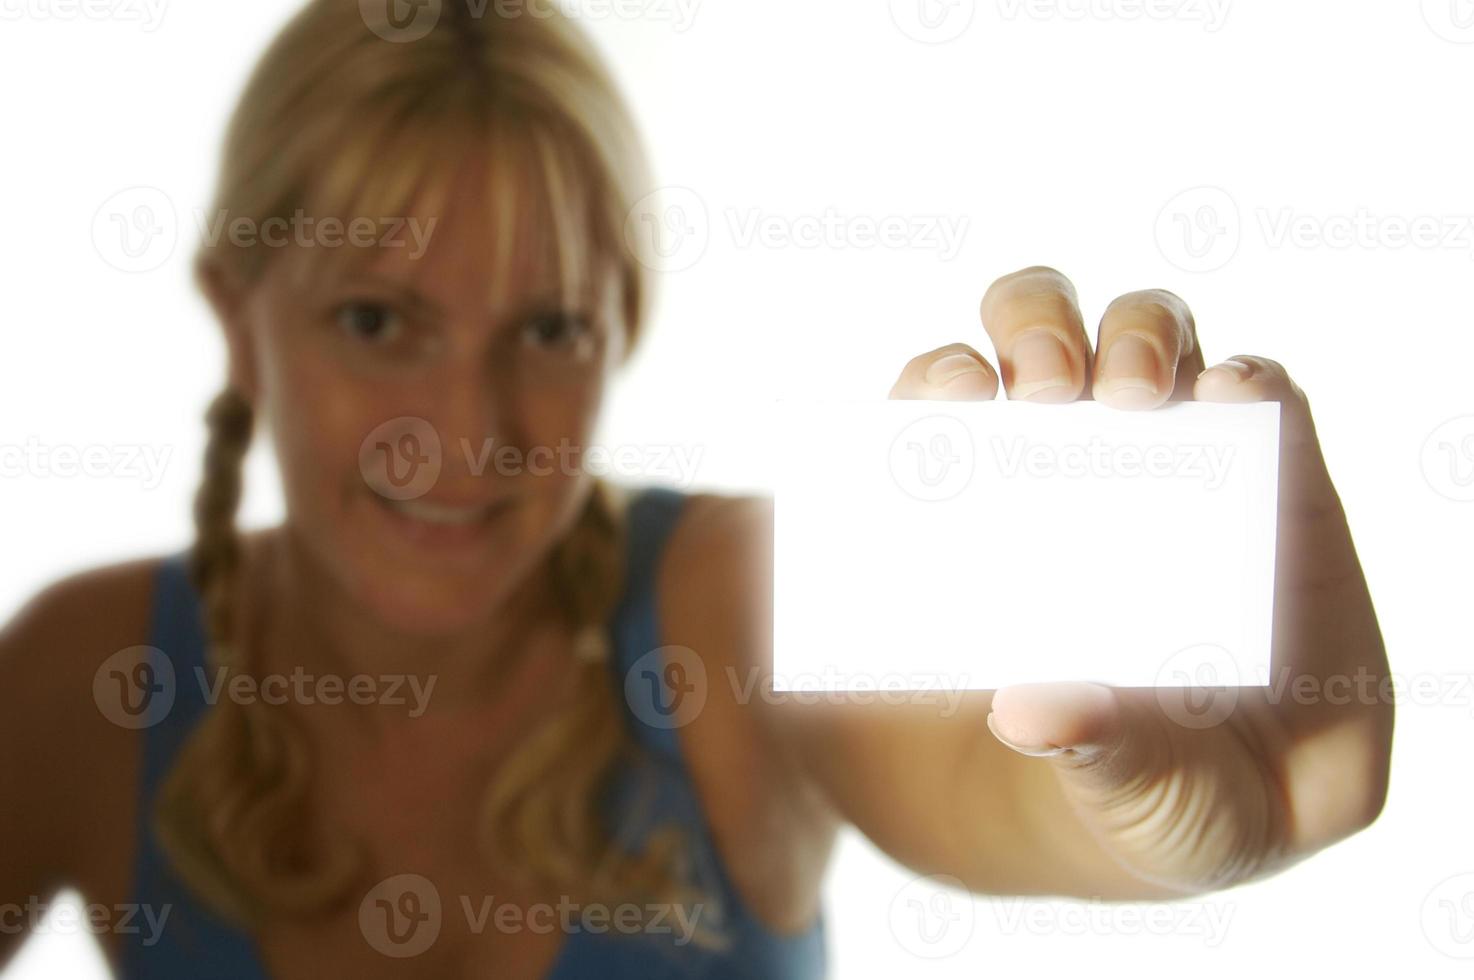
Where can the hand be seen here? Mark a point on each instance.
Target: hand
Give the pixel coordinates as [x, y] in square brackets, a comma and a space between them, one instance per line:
[1182, 799]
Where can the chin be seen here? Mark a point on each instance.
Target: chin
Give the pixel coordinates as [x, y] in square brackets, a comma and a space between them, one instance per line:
[422, 606]
[437, 567]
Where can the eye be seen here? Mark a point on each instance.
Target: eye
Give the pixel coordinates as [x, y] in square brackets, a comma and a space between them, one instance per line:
[368, 321]
[557, 329]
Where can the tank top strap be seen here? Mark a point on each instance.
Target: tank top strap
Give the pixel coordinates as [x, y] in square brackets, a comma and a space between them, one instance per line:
[655, 679]
[658, 688]
[194, 940]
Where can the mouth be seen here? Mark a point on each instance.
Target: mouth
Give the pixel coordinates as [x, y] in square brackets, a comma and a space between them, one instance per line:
[438, 524]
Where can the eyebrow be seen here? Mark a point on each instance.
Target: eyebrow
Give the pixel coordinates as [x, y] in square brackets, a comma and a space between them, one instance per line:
[412, 297]
[408, 295]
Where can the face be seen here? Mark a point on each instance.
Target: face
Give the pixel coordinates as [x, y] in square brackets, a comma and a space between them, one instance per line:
[428, 435]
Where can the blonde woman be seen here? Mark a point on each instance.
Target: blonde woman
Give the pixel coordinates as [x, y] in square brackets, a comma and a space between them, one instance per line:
[303, 836]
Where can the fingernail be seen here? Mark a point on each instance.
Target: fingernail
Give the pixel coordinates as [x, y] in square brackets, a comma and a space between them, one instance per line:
[1130, 369]
[1237, 370]
[1036, 751]
[1040, 363]
[946, 369]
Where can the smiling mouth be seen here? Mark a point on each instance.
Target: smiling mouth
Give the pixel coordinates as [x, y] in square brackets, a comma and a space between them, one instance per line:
[433, 523]
[444, 514]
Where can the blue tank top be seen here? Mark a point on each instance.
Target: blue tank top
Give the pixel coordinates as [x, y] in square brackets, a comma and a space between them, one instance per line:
[194, 942]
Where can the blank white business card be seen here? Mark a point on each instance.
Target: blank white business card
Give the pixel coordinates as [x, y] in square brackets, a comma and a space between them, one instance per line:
[971, 545]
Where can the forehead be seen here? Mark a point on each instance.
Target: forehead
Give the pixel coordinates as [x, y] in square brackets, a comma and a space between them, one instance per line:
[488, 225]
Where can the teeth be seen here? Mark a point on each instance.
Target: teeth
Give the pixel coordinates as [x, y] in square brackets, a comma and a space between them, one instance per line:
[438, 513]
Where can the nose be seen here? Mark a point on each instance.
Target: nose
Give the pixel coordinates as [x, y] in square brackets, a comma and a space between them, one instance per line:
[474, 409]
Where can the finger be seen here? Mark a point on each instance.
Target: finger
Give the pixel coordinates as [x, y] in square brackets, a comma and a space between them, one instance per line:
[1033, 318]
[1314, 553]
[1249, 378]
[1100, 735]
[1188, 809]
[1306, 490]
[1147, 341]
[952, 373]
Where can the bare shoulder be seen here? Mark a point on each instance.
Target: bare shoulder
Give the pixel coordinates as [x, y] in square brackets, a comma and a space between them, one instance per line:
[69, 771]
[716, 587]
[773, 828]
[721, 551]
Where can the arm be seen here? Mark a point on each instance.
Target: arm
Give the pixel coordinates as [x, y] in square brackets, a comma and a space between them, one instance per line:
[926, 782]
[1102, 793]
[68, 773]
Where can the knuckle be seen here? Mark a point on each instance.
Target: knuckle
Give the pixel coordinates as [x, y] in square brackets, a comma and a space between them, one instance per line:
[1264, 366]
[1274, 373]
[957, 348]
[1033, 281]
[1162, 309]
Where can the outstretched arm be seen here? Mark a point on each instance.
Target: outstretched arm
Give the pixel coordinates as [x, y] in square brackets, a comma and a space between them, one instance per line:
[1082, 789]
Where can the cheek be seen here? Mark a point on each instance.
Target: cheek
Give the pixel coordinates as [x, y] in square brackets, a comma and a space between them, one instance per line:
[567, 418]
[320, 416]
[318, 422]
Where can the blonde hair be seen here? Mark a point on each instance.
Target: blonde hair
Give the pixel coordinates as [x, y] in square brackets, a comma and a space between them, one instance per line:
[337, 119]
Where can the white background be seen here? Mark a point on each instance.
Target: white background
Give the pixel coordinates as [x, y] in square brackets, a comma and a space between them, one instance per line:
[1061, 133]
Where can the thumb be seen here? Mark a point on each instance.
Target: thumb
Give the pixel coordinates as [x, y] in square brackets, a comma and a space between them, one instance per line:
[1101, 736]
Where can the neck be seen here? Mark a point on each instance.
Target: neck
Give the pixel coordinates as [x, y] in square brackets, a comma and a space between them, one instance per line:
[306, 620]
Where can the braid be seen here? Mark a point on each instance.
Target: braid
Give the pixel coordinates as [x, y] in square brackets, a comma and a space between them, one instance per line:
[542, 815]
[215, 560]
[231, 811]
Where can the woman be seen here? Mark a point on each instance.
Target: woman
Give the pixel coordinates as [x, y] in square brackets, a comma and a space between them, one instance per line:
[329, 828]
